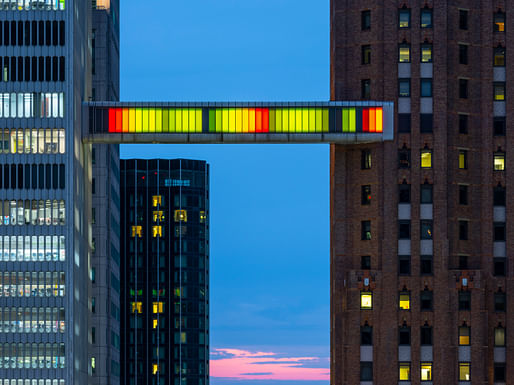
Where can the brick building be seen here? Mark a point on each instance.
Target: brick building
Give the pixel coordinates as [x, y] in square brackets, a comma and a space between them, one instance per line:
[421, 283]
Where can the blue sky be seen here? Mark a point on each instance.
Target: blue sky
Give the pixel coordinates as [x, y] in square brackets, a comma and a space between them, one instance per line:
[269, 203]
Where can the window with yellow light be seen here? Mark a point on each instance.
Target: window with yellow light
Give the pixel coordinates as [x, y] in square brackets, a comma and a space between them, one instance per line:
[136, 231]
[464, 334]
[156, 231]
[404, 300]
[158, 216]
[426, 158]
[464, 371]
[180, 216]
[426, 371]
[156, 200]
[155, 368]
[499, 161]
[404, 373]
[155, 323]
[203, 217]
[366, 300]
[136, 307]
[158, 307]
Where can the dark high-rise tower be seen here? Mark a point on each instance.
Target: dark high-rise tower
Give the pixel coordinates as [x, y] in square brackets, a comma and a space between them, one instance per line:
[420, 275]
[165, 272]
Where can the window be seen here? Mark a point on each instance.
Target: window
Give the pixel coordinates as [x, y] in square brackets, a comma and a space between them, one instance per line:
[426, 335]
[499, 372]
[136, 307]
[404, 300]
[426, 371]
[426, 53]
[404, 18]
[404, 371]
[463, 194]
[426, 123]
[365, 89]
[404, 193]
[463, 19]
[366, 371]
[366, 54]
[366, 300]
[463, 262]
[463, 230]
[404, 335]
[404, 158]
[463, 124]
[404, 229]
[93, 186]
[136, 231]
[156, 200]
[93, 365]
[426, 300]
[499, 91]
[499, 231]
[180, 216]
[463, 54]
[156, 231]
[404, 88]
[366, 230]
[426, 229]
[426, 193]
[365, 20]
[404, 53]
[365, 262]
[463, 88]
[158, 307]
[404, 264]
[499, 22]
[499, 196]
[463, 159]
[426, 88]
[499, 126]
[403, 122]
[93, 305]
[426, 18]
[499, 302]
[464, 335]
[499, 56]
[366, 335]
[464, 371]
[93, 335]
[365, 159]
[426, 158]
[366, 195]
[499, 268]
[464, 300]
[499, 336]
[499, 161]
[93, 275]
[155, 368]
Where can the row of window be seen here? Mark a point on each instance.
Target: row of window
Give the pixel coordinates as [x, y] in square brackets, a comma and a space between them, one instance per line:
[32, 356]
[35, 212]
[37, 176]
[137, 307]
[32, 284]
[404, 18]
[32, 33]
[35, 69]
[20, 381]
[32, 141]
[32, 5]
[32, 105]
[34, 248]
[426, 194]
[426, 229]
[32, 320]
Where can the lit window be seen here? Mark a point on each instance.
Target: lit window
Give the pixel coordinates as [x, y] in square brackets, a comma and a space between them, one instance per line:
[404, 18]
[180, 216]
[426, 53]
[136, 231]
[404, 374]
[365, 195]
[365, 159]
[499, 56]
[464, 332]
[155, 323]
[366, 230]
[463, 159]
[499, 22]
[404, 88]
[156, 200]
[499, 336]
[158, 307]
[499, 91]
[426, 371]
[136, 307]
[404, 53]
[203, 217]
[464, 371]
[404, 300]
[157, 231]
[366, 300]
[158, 216]
[183, 337]
[155, 368]
[426, 158]
[426, 229]
[499, 161]
[426, 18]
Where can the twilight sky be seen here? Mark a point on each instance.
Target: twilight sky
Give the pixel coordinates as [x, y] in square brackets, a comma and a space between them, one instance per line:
[269, 303]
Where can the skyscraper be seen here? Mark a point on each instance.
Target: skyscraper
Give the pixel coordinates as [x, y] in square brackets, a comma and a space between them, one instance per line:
[165, 272]
[420, 273]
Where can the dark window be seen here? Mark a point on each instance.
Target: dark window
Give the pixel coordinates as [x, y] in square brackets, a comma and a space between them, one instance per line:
[34, 176]
[41, 32]
[404, 193]
[463, 54]
[426, 265]
[27, 33]
[365, 20]
[463, 19]
[34, 32]
[404, 88]
[34, 69]
[499, 196]
[41, 69]
[6, 33]
[20, 69]
[499, 126]
[62, 176]
[499, 302]
[13, 33]
[463, 124]
[463, 88]
[93, 186]
[13, 176]
[366, 335]
[404, 158]
[6, 176]
[55, 176]
[365, 195]
[62, 33]
[27, 69]
[426, 18]
[55, 69]
[426, 193]
[403, 122]
[366, 371]
[41, 176]
[62, 69]
[464, 300]
[404, 229]
[499, 56]
[365, 159]
[48, 176]
[366, 230]
[463, 230]
[13, 69]
[27, 176]
[48, 69]
[500, 267]
[499, 231]
[426, 299]
[463, 194]
[463, 262]
[48, 33]
[426, 335]
[55, 34]
[404, 335]
[404, 18]
[426, 88]
[404, 264]
[365, 262]
[365, 89]
[366, 54]
[426, 229]
[499, 372]
[426, 123]
[20, 176]
[499, 22]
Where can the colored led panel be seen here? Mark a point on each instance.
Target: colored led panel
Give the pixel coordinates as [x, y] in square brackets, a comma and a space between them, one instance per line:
[155, 120]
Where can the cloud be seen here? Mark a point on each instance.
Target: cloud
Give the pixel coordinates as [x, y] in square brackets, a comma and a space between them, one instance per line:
[249, 365]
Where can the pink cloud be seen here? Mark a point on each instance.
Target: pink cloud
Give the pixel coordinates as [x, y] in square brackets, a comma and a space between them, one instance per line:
[247, 365]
